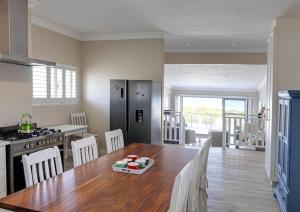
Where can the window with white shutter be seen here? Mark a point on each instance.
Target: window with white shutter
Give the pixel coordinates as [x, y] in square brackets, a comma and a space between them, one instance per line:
[71, 84]
[39, 82]
[54, 85]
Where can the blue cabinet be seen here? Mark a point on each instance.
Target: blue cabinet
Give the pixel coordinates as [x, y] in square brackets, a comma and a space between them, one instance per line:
[288, 151]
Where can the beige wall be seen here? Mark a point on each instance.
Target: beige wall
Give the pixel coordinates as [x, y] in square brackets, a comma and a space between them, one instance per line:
[167, 98]
[216, 58]
[15, 93]
[49, 45]
[105, 60]
[263, 96]
[288, 63]
[4, 28]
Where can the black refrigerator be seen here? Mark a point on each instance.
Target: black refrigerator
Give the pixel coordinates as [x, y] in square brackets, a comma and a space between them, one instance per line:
[135, 108]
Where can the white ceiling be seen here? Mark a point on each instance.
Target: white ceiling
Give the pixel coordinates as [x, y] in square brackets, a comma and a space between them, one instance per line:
[207, 25]
[215, 77]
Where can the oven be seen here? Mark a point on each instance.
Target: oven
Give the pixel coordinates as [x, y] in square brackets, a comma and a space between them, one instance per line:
[14, 152]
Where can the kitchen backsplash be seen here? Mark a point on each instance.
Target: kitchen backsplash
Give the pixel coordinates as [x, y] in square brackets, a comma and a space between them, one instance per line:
[15, 93]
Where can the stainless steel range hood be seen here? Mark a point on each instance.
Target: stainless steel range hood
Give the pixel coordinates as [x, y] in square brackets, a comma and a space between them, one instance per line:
[25, 61]
[14, 34]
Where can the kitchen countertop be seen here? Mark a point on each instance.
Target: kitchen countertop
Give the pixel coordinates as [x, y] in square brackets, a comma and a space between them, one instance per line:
[68, 127]
[4, 143]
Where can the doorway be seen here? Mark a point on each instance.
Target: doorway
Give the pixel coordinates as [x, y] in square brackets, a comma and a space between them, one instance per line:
[204, 114]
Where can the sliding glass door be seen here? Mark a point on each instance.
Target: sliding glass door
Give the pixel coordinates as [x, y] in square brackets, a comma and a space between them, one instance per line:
[233, 108]
[202, 114]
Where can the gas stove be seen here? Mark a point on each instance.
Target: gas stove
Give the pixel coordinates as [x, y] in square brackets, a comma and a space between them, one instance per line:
[12, 133]
[26, 143]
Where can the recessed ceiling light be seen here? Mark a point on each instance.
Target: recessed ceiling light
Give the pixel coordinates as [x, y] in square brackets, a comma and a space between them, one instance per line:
[233, 44]
[188, 44]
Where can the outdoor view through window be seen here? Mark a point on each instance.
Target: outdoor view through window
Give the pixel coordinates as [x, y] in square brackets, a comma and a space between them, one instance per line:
[205, 114]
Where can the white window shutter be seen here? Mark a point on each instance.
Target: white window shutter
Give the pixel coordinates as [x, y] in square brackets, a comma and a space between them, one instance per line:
[39, 82]
[70, 84]
[56, 83]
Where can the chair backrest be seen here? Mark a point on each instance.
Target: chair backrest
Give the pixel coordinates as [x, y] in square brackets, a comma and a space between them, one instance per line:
[206, 147]
[78, 119]
[36, 163]
[180, 189]
[84, 150]
[114, 140]
[204, 184]
[197, 176]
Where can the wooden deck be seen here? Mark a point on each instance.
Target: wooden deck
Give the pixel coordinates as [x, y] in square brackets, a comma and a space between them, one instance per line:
[238, 183]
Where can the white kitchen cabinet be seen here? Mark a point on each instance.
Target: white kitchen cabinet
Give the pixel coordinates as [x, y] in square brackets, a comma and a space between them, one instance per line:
[2, 183]
[2, 158]
[3, 187]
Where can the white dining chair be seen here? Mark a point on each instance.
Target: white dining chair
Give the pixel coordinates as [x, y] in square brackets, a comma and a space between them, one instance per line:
[195, 202]
[42, 165]
[80, 119]
[114, 140]
[180, 190]
[206, 146]
[84, 151]
[204, 185]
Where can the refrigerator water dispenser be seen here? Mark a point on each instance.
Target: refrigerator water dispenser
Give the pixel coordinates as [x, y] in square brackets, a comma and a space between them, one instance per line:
[139, 116]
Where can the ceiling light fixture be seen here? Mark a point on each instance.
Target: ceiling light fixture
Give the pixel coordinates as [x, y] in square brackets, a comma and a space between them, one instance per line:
[233, 44]
[188, 44]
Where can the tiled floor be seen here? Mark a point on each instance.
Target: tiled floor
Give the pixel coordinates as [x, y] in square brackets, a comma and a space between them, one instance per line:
[238, 183]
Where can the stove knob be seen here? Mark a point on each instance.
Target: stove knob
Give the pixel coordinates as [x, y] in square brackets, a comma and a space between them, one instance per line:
[27, 146]
[39, 143]
[32, 145]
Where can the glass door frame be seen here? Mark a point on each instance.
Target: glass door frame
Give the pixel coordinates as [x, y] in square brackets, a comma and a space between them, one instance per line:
[247, 99]
[247, 110]
[247, 106]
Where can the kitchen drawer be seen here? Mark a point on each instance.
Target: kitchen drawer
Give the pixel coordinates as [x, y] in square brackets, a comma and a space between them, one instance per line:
[2, 158]
[3, 182]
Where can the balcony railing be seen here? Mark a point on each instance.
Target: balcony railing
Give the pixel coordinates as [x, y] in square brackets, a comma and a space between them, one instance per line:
[244, 130]
[203, 123]
[173, 127]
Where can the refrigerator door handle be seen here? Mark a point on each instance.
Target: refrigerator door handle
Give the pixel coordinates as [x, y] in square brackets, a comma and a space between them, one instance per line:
[122, 93]
[127, 116]
[128, 125]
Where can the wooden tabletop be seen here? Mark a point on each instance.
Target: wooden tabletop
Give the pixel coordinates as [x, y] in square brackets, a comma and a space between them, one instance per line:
[95, 187]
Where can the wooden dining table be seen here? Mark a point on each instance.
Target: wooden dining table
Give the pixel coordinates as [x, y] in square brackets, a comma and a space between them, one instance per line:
[95, 187]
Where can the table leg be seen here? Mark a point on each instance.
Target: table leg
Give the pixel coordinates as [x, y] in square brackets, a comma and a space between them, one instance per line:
[66, 146]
